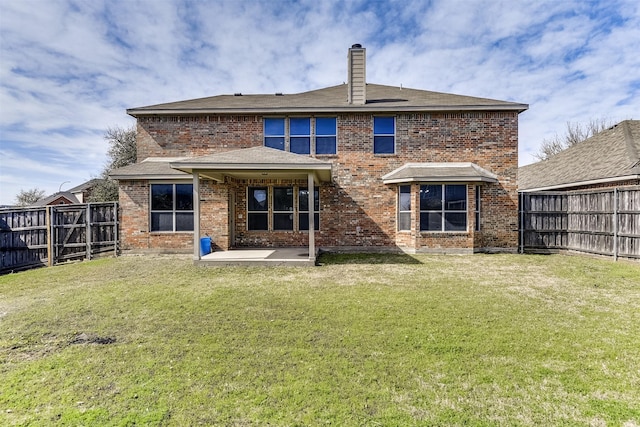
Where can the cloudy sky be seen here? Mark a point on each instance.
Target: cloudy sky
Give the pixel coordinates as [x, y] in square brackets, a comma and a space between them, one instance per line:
[69, 69]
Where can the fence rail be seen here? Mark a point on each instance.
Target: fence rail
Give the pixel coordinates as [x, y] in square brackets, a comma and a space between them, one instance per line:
[49, 235]
[602, 222]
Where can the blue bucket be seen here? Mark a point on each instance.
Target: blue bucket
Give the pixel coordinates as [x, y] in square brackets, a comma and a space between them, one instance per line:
[205, 246]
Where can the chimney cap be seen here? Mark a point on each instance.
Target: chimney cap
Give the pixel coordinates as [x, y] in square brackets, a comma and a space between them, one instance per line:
[356, 46]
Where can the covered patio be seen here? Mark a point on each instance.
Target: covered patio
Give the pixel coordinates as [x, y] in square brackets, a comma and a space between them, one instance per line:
[257, 163]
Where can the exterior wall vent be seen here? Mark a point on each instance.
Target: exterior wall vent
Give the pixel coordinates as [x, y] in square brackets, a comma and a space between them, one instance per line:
[357, 78]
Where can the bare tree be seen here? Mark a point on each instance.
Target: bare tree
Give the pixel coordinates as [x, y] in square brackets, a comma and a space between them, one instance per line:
[122, 152]
[29, 197]
[574, 134]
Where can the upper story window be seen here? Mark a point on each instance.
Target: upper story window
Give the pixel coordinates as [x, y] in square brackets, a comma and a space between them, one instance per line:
[443, 207]
[296, 134]
[274, 132]
[384, 135]
[326, 135]
[300, 131]
[171, 207]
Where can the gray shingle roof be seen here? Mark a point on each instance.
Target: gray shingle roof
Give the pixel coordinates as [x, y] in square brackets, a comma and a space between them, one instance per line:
[85, 185]
[253, 161]
[151, 168]
[331, 100]
[609, 155]
[55, 197]
[243, 162]
[251, 157]
[451, 171]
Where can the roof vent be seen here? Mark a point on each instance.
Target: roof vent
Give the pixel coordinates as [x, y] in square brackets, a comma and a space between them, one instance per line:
[279, 94]
[237, 94]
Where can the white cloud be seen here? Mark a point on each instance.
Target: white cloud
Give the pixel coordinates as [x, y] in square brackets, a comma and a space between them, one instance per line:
[69, 69]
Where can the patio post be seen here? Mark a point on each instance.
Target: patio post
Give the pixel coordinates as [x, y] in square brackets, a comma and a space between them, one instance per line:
[312, 226]
[196, 216]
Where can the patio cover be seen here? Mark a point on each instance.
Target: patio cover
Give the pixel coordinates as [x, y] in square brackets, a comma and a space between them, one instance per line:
[256, 162]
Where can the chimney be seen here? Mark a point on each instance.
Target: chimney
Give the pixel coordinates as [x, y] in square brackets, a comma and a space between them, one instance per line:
[357, 83]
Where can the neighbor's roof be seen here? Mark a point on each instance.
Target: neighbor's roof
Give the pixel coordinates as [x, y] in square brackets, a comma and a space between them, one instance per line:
[439, 172]
[611, 155]
[332, 99]
[56, 198]
[85, 185]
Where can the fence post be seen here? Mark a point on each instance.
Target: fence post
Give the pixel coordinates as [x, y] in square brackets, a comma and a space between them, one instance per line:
[49, 236]
[88, 231]
[115, 228]
[521, 222]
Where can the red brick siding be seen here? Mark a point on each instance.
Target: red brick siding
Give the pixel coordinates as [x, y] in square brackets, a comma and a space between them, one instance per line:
[196, 135]
[214, 219]
[134, 223]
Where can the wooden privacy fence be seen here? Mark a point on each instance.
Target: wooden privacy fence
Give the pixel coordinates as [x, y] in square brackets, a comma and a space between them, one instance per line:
[603, 222]
[49, 235]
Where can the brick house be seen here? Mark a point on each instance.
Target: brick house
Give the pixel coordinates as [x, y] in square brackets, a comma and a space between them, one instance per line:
[352, 167]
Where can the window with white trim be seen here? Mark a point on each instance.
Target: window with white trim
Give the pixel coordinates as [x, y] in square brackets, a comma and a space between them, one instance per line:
[443, 207]
[171, 207]
[384, 135]
[404, 207]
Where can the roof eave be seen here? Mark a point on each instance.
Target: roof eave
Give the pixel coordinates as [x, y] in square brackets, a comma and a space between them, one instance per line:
[580, 183]
[248, 166]
[136, 112]
[217, 171]
[137, 177]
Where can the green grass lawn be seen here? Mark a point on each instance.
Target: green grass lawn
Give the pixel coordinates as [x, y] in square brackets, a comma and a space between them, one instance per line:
[504, 340]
